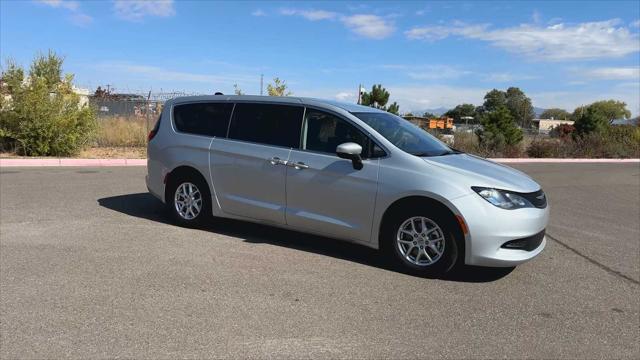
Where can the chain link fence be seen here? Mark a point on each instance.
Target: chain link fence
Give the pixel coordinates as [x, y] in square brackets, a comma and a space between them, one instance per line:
[124, 120]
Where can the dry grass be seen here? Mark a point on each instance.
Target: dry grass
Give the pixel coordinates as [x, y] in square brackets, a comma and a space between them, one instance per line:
[122, 132]
[114, 153]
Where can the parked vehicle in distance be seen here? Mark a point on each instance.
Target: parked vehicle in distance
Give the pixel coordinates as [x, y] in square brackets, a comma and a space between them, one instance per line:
[343, 171]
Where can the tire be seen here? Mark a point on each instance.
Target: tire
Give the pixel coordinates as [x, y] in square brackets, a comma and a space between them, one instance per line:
[402, 247]
[188, 200]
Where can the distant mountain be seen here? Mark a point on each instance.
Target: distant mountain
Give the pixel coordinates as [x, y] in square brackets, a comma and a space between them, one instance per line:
[538, 111]
[437, 111]
[441, 110]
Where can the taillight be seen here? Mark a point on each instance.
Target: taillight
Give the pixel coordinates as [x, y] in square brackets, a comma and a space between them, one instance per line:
[151, 135]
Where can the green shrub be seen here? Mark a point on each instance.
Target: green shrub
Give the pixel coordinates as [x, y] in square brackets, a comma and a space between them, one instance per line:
[500, 132]
[611, 142]
[40, 114]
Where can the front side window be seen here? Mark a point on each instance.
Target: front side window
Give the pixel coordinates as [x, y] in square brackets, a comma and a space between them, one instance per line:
[208, 119]
[323, 132]
[269, 124]
[404, 135]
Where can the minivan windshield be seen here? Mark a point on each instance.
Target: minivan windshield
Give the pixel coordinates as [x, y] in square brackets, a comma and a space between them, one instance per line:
[405, 135]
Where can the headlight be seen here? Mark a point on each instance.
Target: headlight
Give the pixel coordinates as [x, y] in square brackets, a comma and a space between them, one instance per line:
[502, 198]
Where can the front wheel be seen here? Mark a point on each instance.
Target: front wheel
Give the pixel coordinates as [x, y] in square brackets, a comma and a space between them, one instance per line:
[188, 201]
[421, 243]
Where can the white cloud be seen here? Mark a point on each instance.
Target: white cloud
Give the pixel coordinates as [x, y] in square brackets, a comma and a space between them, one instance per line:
[590, 40]
[365, 25]
[64, 4]
[136, 10]
[313, 15]
[635, 23]
[155, 73]
[369, 26]
[434, 72]
[81, 19]
[611, 73]
[77, 17]
[536, 17]
[506, 77]
[259, 12]
[345, 96]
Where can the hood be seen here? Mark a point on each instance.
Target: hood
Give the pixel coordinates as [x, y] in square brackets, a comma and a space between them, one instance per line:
[482, 172]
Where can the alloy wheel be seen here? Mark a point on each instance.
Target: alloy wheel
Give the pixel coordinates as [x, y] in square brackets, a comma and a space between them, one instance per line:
[420, 241]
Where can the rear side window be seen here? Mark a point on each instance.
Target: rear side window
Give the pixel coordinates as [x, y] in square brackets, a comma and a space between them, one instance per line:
[208, 119]
[267, 124]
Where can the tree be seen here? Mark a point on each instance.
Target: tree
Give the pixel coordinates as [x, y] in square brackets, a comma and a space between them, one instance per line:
[611, 109]
[378, 98]
[40, 114]
[520, 107]
[597, 117]
[394, 108]
[460, 111]
[237, 90]
[409, 114]
[429, 115]
[279, 88]
[515, 100]
[494, 99]
[555, 113]
[499, 130]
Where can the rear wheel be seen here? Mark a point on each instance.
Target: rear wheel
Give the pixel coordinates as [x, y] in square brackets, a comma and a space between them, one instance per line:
[188, 200]
[421, 242]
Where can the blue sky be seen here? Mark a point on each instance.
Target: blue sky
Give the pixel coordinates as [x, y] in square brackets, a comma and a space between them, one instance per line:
[428, 54]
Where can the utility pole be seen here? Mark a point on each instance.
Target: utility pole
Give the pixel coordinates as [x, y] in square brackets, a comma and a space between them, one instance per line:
[359, 92]
[261, 82]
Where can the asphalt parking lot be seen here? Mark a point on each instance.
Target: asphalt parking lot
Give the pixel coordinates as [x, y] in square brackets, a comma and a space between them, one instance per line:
[90, 267]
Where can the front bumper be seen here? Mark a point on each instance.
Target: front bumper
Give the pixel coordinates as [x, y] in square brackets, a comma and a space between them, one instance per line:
[491, 227]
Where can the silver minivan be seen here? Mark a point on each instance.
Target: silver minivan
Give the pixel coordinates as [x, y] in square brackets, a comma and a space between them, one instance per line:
[344, 171]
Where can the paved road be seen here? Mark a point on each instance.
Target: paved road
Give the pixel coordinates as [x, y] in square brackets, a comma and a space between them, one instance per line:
[90, 268]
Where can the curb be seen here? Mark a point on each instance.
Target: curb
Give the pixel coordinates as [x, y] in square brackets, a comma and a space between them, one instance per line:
[71, 162]
[48, 162]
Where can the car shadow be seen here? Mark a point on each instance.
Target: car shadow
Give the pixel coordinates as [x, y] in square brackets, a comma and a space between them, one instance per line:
[145, 206]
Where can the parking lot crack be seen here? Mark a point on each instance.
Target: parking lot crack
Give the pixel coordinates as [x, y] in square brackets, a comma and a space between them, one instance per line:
[593, 261]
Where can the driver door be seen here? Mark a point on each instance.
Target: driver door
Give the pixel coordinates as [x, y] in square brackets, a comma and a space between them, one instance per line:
[325, 194]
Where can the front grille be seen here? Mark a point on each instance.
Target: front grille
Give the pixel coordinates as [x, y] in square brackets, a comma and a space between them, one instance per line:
[538, 198]
[529, 243]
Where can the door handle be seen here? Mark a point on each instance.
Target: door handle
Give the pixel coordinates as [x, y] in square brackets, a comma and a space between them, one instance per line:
[277, 161]
[300, 165]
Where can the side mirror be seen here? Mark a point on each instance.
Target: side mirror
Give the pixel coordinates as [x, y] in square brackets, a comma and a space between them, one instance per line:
[350, 151]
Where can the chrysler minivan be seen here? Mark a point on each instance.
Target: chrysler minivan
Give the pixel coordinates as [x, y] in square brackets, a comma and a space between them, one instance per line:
[343, 171]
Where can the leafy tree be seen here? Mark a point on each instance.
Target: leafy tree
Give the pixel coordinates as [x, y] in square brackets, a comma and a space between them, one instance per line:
[494, 99]
[40, 114]
[279, 88]
[460, 111]
[394, 108]
[515, 100]
[598, 116]
[555, 113]
[429, 115]
[237, 90]
[409, 114]
[520, 107]
[378, 98]
[499, 130]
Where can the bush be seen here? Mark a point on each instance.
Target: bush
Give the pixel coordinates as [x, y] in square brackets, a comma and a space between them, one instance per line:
[562, 131]
[40, 114]
[118, 131]
[499, 132]
[613, 142]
